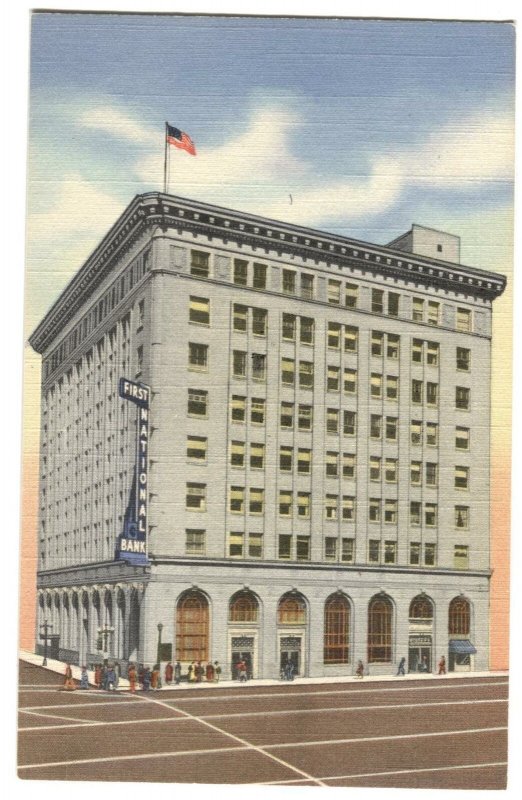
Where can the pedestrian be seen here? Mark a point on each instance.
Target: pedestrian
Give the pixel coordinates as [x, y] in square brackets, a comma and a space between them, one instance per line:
[69, 683]
[423, 666]
[155, 682]
[110, 679]
[289, 671]
[131, 675]
[169, 671]
[402, 663]
[190, 673]
[442, 665]
[199, 672]
[97, 676]
[209, 673]
[104, 671]
[217, 671]
[360, 669]
[177, 673]
[84, 679]
[141, 673]
[242, 671]
[146, 679]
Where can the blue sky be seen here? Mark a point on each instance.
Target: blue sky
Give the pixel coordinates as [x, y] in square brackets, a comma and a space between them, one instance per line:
[369, 125]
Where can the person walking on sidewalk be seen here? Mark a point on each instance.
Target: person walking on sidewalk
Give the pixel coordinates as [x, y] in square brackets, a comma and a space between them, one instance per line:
[84, 679]
[69, 680]
[217, 671]
[442, 665]
[360, 669]
[131, 674]
[169, 671]
[402, 664]
[177, 673]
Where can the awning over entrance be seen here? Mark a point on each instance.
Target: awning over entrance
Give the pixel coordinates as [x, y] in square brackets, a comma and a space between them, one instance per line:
[461, 646]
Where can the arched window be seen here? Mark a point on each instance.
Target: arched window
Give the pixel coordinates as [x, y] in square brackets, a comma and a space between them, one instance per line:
[291, 610]
[337, 630]
[192, 629]
[421, 608]
[243, 607]
[459, 617]
[380, 614]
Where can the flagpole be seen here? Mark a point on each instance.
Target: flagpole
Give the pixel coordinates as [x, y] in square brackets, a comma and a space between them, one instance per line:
[165, 163]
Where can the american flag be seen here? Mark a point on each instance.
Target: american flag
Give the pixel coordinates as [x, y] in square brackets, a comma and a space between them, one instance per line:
[180, 139]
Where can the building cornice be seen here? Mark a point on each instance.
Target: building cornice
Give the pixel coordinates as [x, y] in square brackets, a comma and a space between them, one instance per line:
[152, 210]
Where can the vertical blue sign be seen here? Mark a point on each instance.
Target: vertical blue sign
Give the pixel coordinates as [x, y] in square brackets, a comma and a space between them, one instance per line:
[131, 544]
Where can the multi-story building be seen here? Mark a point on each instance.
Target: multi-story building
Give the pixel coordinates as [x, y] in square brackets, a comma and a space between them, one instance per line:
[317, 446]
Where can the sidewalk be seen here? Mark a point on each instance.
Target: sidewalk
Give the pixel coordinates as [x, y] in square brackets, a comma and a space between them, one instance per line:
[123, 684]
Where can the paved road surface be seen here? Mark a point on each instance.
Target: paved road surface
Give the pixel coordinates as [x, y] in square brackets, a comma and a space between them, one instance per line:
[435, 733]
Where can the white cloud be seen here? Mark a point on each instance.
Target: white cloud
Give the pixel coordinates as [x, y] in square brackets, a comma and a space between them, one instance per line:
[112, 120]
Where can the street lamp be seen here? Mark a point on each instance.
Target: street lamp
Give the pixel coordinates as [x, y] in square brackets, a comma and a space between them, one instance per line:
[160, 628]
[45, 636]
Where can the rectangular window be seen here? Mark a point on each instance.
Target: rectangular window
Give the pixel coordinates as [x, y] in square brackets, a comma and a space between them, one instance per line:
[330, 548]
[463, 320]
[302, 548]
[240, 272]
[306, 374]
[288, 281]
[392, 387]
[240, 317]
[391, 429]
[415, 513]
[390, 552]
[237, 454]
[306, 330]
[463, 359]
[432, 434]
[390, 470]
[194, 542]
[197, 403]
[332, 464]
[196, 497]
[285, 458]
[433, 313]
[393, 304]
[462, 517]
[416, 473]
[141, 317]
[197, 448]
[258, 367]
[347, 550]
[377, 343]
[288, 327]
[374, 551]
[334, 292]
[461, 556]
[461, 438]
[255, 545]
[375, 426]
[416, 391]
[238, 408]
[376, 385]
[257, 411]
[332, 379]
[430, 515]
[374, 509]
[348, 465]
[351, 295]
[390, 511]
[461, 477]
[377, 301]
[236, 544]
[432, 394]
[287, 415]
[375, 468]
[348, 508]
[198, 357]
[256, 501]
[304, 461]
[462, 397]
[334, 335]
[431, 474]
[332, 420]
[259, 321]
[430, 554]
[432, 354]
[199, 263]
[415, 551]
[417, 346]
[199, 310]
[259, 281]
[303, 505]
[351, 337]
[304, 418]
[417, 313]
[350, 381]
[392, 348]
[307, 286]
[257, 455]
[237, 499]
[285, 503]
[284, 549]
[287, 371]
[349, 423]
[239, 358]
[330, 506]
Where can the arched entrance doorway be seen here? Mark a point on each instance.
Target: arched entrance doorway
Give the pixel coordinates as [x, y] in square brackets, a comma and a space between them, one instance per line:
[243, 622]
[291, 624]
[192, 627]
[420, 640]
[337, 619]
[460, 648]
[380, 630]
